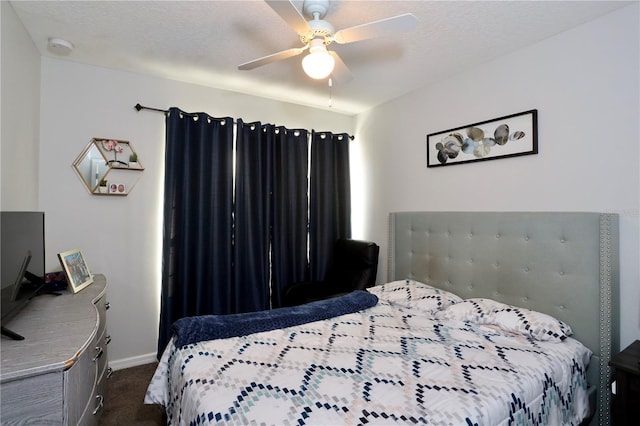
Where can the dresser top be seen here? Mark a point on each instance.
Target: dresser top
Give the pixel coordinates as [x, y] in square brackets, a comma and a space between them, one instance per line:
[55, 328]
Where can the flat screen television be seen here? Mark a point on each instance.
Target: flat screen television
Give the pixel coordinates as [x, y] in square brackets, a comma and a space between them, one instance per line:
[23, 262]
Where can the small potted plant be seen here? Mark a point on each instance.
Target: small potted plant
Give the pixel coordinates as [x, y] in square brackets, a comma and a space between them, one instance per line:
[103, 186]
[133, 160]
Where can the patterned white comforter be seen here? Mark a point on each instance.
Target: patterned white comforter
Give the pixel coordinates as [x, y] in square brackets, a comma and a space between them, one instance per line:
[393, 363]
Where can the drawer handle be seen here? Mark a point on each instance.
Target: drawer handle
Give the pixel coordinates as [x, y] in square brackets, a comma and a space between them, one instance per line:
[107, 339]
[107, 306]
[99, 353]
[109, 372]
[100, 400]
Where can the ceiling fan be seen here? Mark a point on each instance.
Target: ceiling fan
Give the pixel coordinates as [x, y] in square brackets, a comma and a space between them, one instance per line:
[316, 34]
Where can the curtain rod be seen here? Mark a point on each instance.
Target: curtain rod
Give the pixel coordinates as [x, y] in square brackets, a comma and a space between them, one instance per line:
[139, 107]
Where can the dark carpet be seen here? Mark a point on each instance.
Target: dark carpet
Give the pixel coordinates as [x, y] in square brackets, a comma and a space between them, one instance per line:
[124, 405]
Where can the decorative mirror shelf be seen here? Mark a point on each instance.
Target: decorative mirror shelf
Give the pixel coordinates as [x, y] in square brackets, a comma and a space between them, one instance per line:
[108, 167]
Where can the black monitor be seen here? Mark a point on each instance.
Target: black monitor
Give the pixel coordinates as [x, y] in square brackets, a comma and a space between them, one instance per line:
[23, 262]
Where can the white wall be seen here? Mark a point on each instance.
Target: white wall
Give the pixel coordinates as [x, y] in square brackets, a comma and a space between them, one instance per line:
[121, 236]
[584, 84]
[20, 87]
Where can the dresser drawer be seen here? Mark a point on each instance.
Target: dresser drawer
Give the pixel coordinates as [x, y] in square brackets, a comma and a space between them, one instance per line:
[102, 306]
[91, 416]
[102, 354]
[80, 382]
[101, 394]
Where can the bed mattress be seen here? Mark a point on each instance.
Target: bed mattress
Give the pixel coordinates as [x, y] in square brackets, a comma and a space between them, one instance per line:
[392, 363]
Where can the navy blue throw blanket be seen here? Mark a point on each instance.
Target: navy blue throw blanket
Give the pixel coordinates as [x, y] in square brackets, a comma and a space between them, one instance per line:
[210, 327]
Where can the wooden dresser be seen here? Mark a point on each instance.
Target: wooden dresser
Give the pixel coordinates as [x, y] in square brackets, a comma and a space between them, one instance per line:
[57, 375]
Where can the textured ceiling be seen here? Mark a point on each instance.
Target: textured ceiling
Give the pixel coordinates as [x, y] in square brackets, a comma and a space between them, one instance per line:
[203, 42]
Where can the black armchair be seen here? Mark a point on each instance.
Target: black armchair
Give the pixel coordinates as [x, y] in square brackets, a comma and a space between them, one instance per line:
[353, 266]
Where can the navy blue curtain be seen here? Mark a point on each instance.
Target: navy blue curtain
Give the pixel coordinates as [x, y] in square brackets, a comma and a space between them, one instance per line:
[254, 185]
[330, 198]
[271, 207]
[290, 210]
[197, 261]
[232, 252]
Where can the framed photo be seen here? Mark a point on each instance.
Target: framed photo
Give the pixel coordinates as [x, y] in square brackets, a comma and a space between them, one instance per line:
[75, 269]
[508, 136]
[117, 188]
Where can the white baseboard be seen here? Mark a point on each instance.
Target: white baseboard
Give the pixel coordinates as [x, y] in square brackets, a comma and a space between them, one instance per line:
[119, 364]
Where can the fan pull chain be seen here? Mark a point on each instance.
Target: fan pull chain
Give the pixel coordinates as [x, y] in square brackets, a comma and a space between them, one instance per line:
[330, 93]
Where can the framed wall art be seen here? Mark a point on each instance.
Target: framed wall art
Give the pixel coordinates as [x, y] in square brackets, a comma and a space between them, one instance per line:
[75, 269]
[508, 136]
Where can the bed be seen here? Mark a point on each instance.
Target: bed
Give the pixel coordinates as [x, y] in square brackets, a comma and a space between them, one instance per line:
[485, 319]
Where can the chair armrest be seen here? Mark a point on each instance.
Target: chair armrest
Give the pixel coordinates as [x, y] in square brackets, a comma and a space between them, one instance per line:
[308, 291]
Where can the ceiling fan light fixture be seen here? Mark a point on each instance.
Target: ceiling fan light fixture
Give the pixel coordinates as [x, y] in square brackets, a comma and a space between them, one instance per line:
[319, 63]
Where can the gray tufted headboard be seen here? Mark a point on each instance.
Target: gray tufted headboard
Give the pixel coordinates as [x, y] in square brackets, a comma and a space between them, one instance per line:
[563, 264]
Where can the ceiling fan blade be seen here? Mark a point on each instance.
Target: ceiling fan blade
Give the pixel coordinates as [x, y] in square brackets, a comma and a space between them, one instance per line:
[290, 14]
[272, 58]
[395, 24]
[340, 73]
